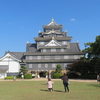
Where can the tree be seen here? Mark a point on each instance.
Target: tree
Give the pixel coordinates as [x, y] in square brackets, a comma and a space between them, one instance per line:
[97, 66]
[58, 69]
[93, 48]
[23, 70]
[80, 67]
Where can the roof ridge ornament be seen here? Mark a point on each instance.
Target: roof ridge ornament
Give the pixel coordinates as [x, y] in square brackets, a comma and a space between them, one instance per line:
[52, 19]
[53, 37]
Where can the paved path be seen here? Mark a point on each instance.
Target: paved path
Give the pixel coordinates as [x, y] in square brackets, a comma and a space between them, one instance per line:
[44, 79]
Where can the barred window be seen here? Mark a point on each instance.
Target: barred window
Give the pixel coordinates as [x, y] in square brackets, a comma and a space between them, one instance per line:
[44, 50]
[39, 65]
[30, 57]
[46, 65]
[47, 57]
[38, 57]
[65, 56]
[53, 65]
[41, 43]
[57, 57]
[30, 65]
[53, 50]
[62, 50]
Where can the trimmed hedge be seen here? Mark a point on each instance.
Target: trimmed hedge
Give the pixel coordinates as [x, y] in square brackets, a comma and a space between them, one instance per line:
[88, 76]
[9, 77]
[56, 75]
[72, 75]
[27, 76]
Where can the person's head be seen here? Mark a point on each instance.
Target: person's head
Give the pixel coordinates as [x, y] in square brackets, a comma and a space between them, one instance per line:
[64, 74]
[49, 79]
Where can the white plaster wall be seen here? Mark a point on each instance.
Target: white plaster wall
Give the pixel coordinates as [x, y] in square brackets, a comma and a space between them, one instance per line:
[3, 75]
[14, 65]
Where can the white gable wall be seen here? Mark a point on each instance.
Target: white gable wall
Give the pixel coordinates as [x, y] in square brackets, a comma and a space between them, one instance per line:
[13, 64]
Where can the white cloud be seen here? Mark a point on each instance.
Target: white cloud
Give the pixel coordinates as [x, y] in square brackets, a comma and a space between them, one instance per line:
[72, 19]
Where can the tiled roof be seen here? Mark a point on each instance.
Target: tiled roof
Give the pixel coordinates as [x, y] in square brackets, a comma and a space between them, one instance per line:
[49, 38]
[56, 60]
[17, 55]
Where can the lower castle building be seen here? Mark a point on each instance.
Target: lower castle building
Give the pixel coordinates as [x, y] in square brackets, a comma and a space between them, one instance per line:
[52, 47]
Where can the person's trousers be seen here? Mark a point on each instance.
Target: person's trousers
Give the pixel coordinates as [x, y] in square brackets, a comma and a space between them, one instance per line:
[66, 86]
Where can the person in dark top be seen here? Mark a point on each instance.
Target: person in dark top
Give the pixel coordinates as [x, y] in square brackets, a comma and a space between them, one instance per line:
[65, 82]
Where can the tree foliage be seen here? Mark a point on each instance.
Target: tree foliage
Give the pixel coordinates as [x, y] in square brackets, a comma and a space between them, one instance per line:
[80, 67]
[91, 63]
[58, 69]
[23, 70]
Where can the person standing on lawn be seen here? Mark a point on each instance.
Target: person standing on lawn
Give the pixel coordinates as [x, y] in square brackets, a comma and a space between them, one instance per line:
[98, 78]
[65, 82]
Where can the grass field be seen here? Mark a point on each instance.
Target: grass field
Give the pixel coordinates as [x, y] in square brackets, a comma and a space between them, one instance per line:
[37, 90]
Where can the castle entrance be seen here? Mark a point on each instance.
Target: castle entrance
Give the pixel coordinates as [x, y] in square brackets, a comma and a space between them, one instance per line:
[42, 74]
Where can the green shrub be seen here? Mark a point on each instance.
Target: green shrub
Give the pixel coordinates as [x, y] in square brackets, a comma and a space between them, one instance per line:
[28, 76]
[72, 75]
[88, 76]
[9, 77]
[56, 75]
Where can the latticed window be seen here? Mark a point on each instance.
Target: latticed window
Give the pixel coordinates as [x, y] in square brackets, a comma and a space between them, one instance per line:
[76, 57]
[65, 65]
[46, 65]
[38, 57]
[64, 42]
[39, 65]
[57, 57]
[47, 57]
[62, 50]
[53, 65]
[41, 43]
[65, 56]
[30, 57]
[53, 50]
[30, 65]
[44, 50]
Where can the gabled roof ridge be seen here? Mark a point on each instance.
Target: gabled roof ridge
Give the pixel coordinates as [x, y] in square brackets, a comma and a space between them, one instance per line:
[53, 39]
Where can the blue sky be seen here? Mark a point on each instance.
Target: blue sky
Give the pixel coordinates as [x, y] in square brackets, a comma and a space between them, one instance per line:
[20, 21]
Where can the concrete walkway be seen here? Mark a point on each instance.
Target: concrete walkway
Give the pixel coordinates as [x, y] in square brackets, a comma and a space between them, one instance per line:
[44, 79]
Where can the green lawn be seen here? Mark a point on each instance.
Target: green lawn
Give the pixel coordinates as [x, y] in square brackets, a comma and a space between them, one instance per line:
[37, 90]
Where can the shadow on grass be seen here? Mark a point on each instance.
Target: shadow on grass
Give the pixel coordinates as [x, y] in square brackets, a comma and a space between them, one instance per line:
[53, 90]
[43, 90]
[95, 85]
[58, 91]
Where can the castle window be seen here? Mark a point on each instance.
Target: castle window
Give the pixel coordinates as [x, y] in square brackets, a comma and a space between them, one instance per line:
[44, 50]
[64, 42]
[38, 57]
[47, 57]
[46, 65]
[57, 57]
[62, 50]
[30, 57]
[65, 57]
[41, 43]
[65, 65]
[53, 65]
[30, 65]
[39, 65]
[53, 50]
[76, 57]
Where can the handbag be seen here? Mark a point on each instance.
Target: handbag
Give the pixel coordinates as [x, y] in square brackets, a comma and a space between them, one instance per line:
[68, 83]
